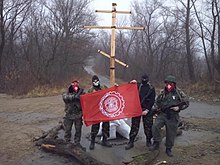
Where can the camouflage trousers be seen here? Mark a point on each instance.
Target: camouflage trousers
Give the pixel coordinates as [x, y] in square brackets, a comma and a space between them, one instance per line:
[95, 130]
[68, 123]
[147, 125]
[171, 124]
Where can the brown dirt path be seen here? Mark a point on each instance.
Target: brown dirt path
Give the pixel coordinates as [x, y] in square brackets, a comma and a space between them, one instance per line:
[21, 119]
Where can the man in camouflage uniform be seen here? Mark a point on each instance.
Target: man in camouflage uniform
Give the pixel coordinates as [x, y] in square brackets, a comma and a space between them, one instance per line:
[95, 127]
[147, 98]
[169, 102]
[73, 112]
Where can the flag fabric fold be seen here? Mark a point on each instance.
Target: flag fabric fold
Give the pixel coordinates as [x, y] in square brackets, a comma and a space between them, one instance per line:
[111, 104]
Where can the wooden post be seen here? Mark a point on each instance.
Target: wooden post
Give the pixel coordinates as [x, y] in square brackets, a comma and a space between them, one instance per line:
[112, 57]
[113, 27]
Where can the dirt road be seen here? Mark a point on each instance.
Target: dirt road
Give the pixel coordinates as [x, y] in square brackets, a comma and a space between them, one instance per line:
[23, 119]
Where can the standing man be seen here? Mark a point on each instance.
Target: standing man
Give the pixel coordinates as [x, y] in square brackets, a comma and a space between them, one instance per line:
[73, 112]
[95, 127]
[147, 98]
[169, 102]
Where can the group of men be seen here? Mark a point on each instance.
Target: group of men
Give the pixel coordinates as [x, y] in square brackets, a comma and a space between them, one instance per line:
[166, 106]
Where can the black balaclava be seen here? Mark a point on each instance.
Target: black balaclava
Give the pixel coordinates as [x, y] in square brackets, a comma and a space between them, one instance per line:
[95, 81]
[144, 79]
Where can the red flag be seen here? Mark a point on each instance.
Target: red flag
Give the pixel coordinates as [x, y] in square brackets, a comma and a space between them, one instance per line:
[111, 104]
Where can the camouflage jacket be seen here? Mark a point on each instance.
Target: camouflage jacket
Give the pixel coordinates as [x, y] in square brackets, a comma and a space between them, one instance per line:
[73, 107]
[166, 100]
[93, 89]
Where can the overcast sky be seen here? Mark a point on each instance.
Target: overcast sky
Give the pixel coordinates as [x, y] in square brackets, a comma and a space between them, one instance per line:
[106, 18]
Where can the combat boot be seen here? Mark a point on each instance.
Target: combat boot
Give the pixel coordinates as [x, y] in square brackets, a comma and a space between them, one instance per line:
[92, 144]
[105, 142]
[129, 145]
[155, 146]
[169, 152]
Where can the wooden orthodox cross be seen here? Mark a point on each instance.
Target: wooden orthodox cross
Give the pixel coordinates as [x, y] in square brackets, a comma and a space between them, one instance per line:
[113, 27]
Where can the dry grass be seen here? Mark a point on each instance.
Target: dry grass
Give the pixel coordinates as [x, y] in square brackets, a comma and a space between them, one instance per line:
[204, 91]
[201, 91]
[40, 91]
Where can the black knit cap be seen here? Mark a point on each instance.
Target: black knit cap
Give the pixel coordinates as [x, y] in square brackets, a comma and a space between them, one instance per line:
[95, 77]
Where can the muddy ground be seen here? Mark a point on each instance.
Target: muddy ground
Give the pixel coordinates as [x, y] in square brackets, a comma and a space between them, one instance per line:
[21, 119]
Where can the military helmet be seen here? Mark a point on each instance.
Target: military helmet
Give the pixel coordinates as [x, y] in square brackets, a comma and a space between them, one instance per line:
[171, 79]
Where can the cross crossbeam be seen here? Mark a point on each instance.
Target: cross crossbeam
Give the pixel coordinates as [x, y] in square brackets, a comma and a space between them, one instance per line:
[116, 60]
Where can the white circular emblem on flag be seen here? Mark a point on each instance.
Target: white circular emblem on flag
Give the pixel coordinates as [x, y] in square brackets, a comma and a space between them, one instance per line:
[112, 104]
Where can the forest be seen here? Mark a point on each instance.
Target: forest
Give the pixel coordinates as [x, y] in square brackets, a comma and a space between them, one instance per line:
[42, 42]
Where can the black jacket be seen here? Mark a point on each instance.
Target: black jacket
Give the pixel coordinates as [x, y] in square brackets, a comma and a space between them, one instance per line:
[147, 95]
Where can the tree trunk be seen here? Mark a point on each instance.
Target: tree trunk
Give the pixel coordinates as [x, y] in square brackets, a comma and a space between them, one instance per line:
[188, 50]
[2, 40]
[210, 73]
[215, 61]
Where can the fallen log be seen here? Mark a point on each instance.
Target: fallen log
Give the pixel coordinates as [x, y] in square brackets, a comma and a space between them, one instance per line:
[61, 147]
[49, 142]
[52, 133]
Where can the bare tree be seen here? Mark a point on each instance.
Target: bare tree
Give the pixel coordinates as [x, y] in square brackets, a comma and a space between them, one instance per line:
[12, 16]
[189, 56]
[215, 56]
[146, 14]
[203, 39]
[56, 42]
[2, 31]
[42, 43]
[160, 49]
[67, 16]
